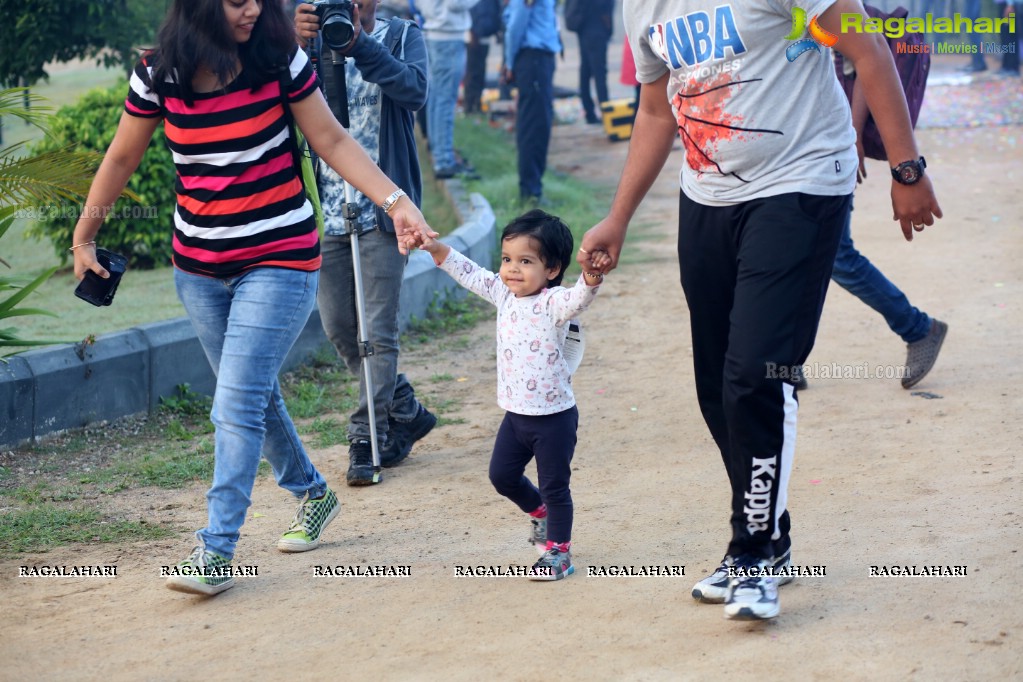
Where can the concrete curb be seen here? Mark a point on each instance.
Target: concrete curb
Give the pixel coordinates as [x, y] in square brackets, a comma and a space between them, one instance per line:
[46, 391]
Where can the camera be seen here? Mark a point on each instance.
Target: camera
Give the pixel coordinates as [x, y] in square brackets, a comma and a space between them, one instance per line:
[336, 22]
[95, 289]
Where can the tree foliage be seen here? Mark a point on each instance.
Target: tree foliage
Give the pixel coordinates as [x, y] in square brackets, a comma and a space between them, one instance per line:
[37, 32]
[139, 229]
[31, 181]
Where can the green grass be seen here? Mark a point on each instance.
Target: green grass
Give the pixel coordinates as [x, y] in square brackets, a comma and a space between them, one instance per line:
[46, 526]
[174, 448]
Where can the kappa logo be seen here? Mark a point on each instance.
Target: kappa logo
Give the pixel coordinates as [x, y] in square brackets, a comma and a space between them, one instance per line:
[758, 497]
[818, 36]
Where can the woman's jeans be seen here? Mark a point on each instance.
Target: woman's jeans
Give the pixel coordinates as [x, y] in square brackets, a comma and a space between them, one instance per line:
[247, 325]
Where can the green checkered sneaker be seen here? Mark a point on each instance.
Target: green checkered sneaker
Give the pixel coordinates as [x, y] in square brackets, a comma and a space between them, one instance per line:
[203, 572]
[312, 517]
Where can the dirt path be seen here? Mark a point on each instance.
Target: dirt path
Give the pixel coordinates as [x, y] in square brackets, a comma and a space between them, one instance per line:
[882, 477]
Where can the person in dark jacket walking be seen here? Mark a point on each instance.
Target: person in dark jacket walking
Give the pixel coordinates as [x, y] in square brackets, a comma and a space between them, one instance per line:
[386, 78]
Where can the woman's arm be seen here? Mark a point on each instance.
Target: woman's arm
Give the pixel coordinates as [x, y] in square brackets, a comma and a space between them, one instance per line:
[122, 158]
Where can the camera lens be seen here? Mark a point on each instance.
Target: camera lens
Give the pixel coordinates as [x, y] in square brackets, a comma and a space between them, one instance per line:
[336, 24]
[337, 32]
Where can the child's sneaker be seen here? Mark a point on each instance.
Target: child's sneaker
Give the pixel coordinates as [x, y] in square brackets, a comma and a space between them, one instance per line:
[203, 572]
[553, 565]
[538, 535]
[312, 517]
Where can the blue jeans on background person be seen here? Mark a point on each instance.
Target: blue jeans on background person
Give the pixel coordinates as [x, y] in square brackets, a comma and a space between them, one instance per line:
[534, 77]
[447, 66]
[246, 325]
[382, 267]
[857, 275]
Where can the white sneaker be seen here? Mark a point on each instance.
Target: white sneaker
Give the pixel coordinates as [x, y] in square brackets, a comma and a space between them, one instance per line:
[714, 588]
[754, 595]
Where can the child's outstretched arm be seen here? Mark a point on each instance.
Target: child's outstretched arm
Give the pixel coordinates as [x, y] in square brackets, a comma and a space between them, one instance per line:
[438, 249]
[477, 279]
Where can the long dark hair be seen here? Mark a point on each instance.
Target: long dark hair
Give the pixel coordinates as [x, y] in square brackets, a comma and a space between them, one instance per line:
[553, 239]
[195, 33]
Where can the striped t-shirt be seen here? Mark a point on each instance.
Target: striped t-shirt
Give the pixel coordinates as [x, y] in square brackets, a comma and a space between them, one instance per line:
[240, 202]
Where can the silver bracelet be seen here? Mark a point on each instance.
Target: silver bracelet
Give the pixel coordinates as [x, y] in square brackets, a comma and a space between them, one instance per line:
[390, 201]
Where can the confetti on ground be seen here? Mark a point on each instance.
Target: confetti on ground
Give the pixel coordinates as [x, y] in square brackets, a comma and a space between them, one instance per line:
[980, 101]
[815, 481]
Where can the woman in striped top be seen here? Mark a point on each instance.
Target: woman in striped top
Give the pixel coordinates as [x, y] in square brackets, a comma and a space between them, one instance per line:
[246, 248]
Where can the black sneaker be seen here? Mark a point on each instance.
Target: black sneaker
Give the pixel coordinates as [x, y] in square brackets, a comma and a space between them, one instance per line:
[403, 435]
[360, 467]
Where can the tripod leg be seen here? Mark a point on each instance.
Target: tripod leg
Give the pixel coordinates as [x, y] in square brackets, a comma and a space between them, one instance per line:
[365, 350]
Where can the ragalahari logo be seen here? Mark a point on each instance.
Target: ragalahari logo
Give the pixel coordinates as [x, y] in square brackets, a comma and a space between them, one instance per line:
[818, 36]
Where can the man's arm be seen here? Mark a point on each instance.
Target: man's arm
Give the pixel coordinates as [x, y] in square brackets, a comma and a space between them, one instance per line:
[653, 133]
[404, 82]
[914, 206]
[517, 15]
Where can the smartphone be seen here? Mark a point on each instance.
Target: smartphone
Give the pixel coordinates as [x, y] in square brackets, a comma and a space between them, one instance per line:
[95, 289]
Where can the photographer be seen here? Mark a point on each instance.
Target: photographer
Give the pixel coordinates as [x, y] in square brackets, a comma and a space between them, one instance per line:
[385, 73]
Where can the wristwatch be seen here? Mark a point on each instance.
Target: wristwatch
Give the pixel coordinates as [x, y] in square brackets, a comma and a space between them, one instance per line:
[909, 172]
[390, 201]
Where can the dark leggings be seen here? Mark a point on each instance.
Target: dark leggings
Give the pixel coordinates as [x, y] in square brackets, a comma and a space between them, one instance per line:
[551, 440]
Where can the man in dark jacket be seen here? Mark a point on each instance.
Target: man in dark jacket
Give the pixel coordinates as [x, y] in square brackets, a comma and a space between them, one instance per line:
[386, 82]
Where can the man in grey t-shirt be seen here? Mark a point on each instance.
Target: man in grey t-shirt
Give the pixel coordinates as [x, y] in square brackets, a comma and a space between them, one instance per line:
[766, 182]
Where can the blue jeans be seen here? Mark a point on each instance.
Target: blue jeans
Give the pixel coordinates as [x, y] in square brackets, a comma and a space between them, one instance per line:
[247, 325]
[857, 275]
[447, 66]
[382, 270]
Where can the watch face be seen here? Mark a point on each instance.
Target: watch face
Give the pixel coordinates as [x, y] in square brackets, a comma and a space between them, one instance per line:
[909, 174]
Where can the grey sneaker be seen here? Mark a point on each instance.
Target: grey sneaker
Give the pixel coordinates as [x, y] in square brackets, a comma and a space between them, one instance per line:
[921, 355]
[714, 588]
[538, 534]
[360, 464]
[203, 572]
[753, 596]
[312, 517]
[553, 565]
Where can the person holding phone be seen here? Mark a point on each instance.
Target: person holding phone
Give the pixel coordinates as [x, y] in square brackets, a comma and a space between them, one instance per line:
[245, 244]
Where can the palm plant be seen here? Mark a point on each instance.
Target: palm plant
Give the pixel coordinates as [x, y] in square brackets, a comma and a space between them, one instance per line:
[27, 181]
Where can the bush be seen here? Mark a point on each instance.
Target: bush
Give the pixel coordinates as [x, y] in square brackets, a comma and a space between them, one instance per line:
[139, 230]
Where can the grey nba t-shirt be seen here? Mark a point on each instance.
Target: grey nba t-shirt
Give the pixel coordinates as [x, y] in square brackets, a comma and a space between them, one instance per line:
[753, 123]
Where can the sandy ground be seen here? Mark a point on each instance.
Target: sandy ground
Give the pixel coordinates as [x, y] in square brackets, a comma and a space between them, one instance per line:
[882, 477]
